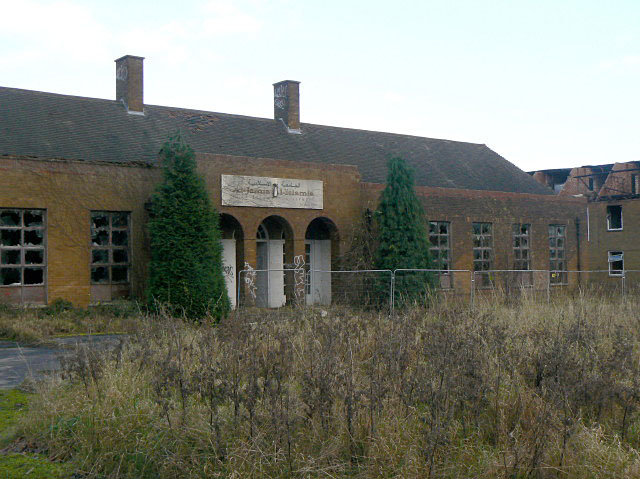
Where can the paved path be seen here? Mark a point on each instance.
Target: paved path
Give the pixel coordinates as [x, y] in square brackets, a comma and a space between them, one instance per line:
[19, 362]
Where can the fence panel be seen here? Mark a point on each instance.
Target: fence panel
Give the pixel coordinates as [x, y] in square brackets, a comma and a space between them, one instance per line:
[301, 286]
[382, 289]
[512, 284]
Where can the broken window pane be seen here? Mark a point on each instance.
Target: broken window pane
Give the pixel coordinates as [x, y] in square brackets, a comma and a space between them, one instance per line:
[10, 237]
[120, 238]
[34, 256]
[110, 253]
[9, 218]
[100, 256]
[100, 238]
[100, 274]
[33, 237]
[120, 220]
[10, 276]
[120, 274]
[99, 220]
[120, 256]
[33, 275]
[33, 218]
[10, 256]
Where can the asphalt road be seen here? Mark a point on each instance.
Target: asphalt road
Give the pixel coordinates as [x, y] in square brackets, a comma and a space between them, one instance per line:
[18, 363]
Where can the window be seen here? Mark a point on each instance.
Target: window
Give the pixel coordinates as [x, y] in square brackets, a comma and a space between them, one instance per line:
[439, 236]
[616, 263]
[614, 217]
[591, 184]
[23, 261]
[110, 255]
[521, 247]
[482, 253]
[522, 254]
[557, 258]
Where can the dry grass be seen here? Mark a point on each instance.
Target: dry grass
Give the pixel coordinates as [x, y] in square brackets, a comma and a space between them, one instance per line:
[501, 391]
[37, 325]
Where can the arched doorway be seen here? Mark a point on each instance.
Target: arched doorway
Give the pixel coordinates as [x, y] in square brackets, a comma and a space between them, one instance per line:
[321, 245]
[274, 245]
[232, 254]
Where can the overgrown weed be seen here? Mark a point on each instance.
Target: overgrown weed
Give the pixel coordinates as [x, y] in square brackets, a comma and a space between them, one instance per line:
[524, 390]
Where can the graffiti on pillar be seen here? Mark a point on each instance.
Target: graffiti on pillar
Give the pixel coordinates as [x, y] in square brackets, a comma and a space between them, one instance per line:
[250, 280]
[299, 275]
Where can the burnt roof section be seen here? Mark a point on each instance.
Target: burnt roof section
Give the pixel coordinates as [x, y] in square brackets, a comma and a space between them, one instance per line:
[49, 125]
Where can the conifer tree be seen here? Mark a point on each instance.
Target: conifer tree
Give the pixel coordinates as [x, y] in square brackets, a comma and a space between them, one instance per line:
[403, 240]
[185, 272]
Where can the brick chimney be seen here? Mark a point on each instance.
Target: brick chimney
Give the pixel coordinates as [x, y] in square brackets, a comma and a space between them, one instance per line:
[286, 104]
[129, 88]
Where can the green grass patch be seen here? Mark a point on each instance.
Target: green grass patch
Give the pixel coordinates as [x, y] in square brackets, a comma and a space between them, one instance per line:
[14, 406]
[32, 466]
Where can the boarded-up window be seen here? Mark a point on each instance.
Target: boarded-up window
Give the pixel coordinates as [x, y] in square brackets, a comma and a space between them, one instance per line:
[557, 257]
[110, 255]
[23, 262]
[440, 238]
[483, 254]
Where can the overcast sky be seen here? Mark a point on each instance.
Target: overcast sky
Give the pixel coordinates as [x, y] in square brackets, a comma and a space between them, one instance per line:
[546, 84]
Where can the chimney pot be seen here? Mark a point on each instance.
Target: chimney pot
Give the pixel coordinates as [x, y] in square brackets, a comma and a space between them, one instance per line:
[129, 83]
[286, 103]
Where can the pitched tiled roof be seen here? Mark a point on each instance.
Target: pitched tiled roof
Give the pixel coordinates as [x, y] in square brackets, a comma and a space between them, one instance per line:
[60, 126]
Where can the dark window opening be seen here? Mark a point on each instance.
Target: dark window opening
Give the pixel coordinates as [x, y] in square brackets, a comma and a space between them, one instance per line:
[33, 276]
[614, 217]
[10, 276]
[23, 255]
[591, 184]
[483, 254]
[110, 255]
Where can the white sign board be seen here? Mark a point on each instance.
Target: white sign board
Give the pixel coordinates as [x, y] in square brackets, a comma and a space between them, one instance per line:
[264, 192]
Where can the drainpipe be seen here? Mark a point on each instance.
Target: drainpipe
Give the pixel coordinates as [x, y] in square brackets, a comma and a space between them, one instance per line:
[578, 247]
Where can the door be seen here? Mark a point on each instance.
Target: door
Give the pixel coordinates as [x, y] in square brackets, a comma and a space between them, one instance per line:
[262, 278]
[319, 257]
[276, 294]
[229, 268]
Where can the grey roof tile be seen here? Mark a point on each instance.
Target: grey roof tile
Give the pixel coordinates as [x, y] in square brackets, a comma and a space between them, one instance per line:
[61, 126]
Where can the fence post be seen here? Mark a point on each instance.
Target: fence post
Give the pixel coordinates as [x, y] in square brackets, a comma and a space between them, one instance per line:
[392, 289]
[548, 287]
[473, 287]
[240, 285]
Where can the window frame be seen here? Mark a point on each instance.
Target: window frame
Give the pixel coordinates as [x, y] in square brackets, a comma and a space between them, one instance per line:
[116, 289]
[553, 272]
[609, 228]
[436, 250]
[485, 278]
[615, 272]
[37, 291]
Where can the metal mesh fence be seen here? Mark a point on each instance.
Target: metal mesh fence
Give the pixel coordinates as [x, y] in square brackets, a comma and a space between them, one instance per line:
[300, 286]
[385, 289]
[512, 284]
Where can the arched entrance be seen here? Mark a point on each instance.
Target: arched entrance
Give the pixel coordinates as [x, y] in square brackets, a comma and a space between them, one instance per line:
[274, 245]
[321, 245]
[232, 253]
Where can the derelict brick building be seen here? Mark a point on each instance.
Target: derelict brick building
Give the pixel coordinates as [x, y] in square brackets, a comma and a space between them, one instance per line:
[76, 176]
